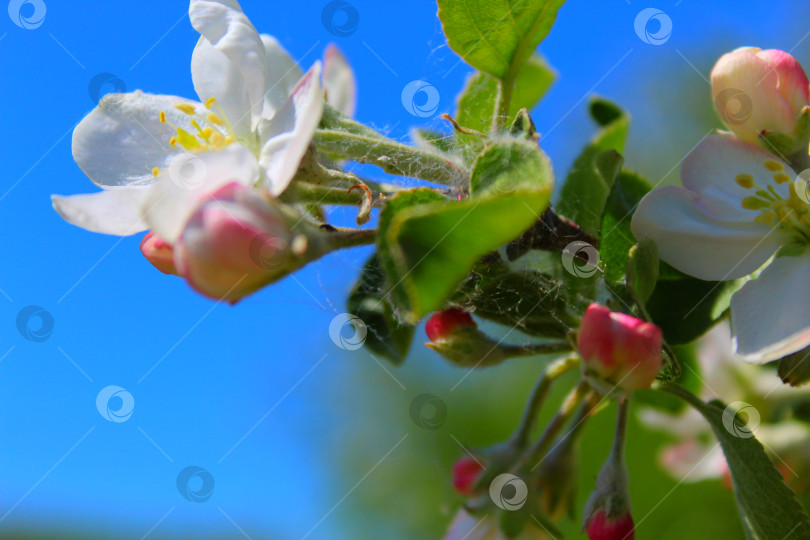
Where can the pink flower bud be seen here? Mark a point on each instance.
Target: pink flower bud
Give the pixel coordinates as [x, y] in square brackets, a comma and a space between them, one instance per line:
[755, 91]
[442, 325]
[235, 242]
[602, 527]
[158, 252]
[466, 472]
[618, 350]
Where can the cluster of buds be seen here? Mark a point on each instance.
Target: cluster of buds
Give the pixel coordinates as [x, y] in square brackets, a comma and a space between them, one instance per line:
[619, 354]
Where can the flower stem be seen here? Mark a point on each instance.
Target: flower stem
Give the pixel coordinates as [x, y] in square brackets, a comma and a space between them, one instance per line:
[540, 448]
[346, 238]
[304, 192]
[391, 156]
[538, 396]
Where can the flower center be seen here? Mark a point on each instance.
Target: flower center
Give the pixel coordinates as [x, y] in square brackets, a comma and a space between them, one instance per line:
[213, 131]
[791, 214]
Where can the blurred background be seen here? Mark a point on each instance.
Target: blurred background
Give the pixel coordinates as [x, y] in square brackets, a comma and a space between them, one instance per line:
[291, 436]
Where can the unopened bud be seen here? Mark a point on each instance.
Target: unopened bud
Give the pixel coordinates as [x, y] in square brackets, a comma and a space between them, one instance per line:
[601, 527]
[618, 351]
[466, 473]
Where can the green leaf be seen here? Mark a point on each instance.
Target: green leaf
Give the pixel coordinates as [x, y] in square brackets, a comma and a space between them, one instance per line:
[585, 191]
[428, 246]
[497, 37]
[616, 238]
[767, 506]
[478, 102]
[387, 336]
[686, 307]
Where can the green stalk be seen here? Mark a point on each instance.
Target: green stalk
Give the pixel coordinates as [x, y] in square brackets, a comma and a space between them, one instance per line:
[391, 156]
[538, 396]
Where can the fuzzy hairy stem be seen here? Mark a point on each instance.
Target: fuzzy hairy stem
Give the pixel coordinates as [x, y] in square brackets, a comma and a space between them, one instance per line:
[391, 156]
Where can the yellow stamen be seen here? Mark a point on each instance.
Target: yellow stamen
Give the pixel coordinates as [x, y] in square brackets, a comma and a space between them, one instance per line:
[781, 177]
[773, 165]
[210, 102]
[156, 172]
[186, 108]
[214, 119]
[186, 139]
[754, 203]
[162, 117]
[173, 142]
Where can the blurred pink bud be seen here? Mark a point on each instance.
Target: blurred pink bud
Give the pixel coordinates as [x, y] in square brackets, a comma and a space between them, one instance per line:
[601, 527]
[158, 252]
[466, 472]
[618, 350]
[442, 325]
[235, 242]
[755, 91]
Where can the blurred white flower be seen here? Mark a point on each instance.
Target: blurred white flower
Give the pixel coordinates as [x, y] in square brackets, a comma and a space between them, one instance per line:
[697, 455]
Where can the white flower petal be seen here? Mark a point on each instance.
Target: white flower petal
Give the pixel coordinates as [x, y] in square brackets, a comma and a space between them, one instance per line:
[711, 168]
[214, 75]
[770, 316]
[698, 244]
[112, 211]
[290, 132]
[228, 29]
[282, 75]
[339, 81]
[122, 140]
[189, 179]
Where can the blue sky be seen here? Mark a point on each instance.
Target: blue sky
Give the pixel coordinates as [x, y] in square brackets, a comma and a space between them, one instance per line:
[238, 390]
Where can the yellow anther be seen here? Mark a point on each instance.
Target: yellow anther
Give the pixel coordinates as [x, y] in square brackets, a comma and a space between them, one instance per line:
[210, 102]
[186, 108]
[745, 180]
[206, 133]
[773, 165]
[173, 142]
[186, 139]
[162, 117]
[229, 139]
[156, 172]
[781, 177]
[754, 203]
[214, 119]
[217, 139]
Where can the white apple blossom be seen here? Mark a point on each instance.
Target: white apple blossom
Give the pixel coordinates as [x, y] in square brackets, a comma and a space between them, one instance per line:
[154, 156]
[739, 206]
